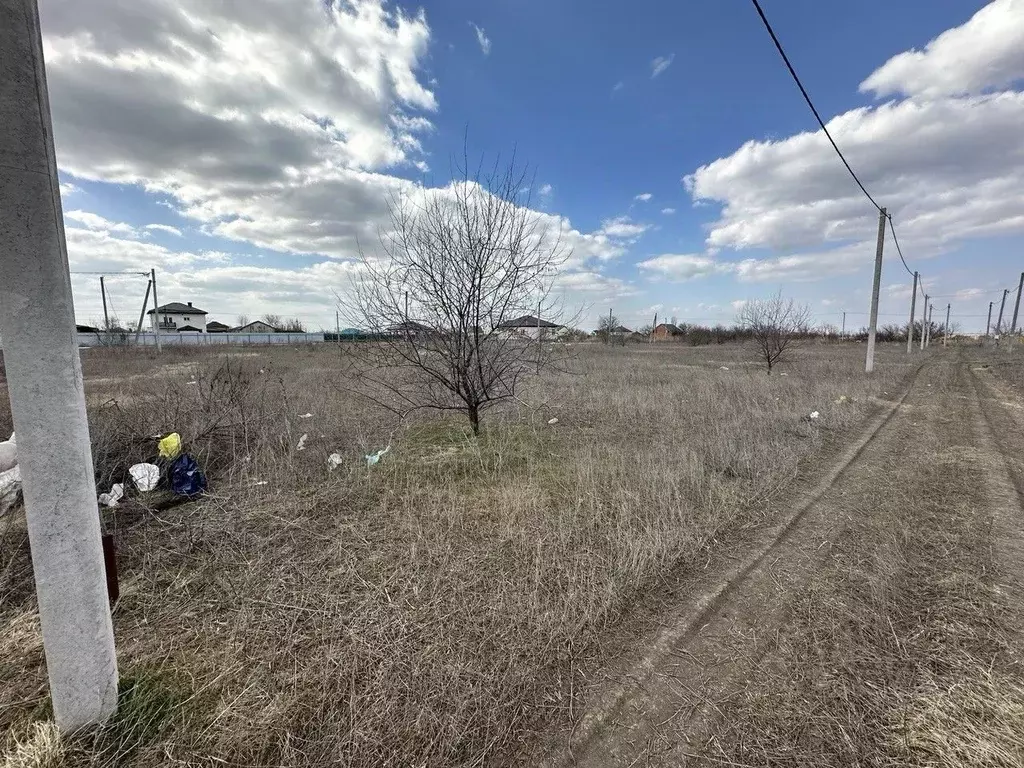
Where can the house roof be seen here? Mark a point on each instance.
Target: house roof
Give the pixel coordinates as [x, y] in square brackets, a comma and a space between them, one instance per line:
[216, 324]
[261, 323]
[670, 327]
[188, 328]
[409, 325]
[528, 321]
[177, 308]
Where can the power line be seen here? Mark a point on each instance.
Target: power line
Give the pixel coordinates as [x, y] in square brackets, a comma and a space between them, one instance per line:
[810, 104]
[892, 228]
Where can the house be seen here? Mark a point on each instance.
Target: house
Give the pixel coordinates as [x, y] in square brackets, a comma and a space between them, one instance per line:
[408, 328]
[189, 329]
[667, 332]
[214, 327]
[528, 325]
[174, 315]
[256, 326]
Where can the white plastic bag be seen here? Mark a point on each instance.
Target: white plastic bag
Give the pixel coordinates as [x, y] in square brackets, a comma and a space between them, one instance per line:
[115, 495]
[10, 484]
[145, 476]
[8, 454]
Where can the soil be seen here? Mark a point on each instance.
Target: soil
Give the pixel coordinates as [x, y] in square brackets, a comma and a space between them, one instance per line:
[663, 702]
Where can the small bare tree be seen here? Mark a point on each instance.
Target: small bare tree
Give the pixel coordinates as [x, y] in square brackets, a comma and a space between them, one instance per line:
[456, 268]
[274, 321]
[776, 325]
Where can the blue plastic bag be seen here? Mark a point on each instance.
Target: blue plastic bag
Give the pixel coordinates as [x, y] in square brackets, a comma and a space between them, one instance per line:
[186, 477]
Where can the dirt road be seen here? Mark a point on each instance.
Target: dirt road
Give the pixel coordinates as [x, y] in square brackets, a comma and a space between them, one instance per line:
[760, 636]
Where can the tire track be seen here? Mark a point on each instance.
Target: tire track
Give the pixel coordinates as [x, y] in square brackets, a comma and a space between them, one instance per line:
[710, 641]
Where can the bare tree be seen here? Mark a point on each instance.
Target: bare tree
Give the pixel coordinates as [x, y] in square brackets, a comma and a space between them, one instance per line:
[242, 320]
[775, 324]
[292, 325]
[607, 328]
[455, 267]
[274, 321]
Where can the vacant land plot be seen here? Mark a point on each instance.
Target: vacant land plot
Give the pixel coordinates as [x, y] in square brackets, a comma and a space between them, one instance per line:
[443, 607]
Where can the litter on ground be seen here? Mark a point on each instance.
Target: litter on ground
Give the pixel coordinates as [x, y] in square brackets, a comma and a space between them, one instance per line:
[10, 485]
[113, 497]
[170, 446]
[302, 442]
[333, 461]
[8, 454]
[814, 415]
[305, 415]
[373, 458]
[553, 421]
[145, 476]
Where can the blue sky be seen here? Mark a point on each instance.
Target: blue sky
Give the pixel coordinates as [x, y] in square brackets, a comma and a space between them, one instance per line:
[185, 143]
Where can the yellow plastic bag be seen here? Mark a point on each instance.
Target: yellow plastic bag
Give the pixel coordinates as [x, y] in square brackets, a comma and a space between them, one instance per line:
[170, 446]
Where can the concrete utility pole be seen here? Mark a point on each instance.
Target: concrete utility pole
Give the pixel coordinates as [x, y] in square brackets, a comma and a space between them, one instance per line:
[1002, 306]
[45, 387]
[103, 293]
[988, 323]
[156, 310]
[945, 335]
[928, 339]
[1016, 305]
[844, 325]
[142, 314]
[910, 327]
[924, 323]
[869, 364]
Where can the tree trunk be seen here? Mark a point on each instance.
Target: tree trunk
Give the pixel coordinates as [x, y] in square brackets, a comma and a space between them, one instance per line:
[474, 419]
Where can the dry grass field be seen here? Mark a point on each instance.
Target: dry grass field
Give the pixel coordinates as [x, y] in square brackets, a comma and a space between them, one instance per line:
[438, 609]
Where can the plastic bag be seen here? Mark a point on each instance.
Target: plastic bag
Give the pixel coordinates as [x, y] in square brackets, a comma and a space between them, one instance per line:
[170, 446]
[10, 485]
[186, 477]
[145, 476]
[8, 454]
[373, 458]
[111, 499]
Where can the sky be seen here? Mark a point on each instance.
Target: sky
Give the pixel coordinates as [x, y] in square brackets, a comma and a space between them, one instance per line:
[246, 151]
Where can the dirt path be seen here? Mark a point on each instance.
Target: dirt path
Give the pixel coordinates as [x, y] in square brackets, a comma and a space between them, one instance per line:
[664, 706]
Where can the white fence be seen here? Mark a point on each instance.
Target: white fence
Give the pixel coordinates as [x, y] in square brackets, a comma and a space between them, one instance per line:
[196, 339]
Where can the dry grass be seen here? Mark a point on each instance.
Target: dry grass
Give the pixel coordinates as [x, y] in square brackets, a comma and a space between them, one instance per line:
[905, 648]
[433, 610]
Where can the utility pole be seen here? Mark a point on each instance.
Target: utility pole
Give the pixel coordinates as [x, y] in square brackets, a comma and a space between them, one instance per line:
[156, 310]
[44, 380]
[337, 327]
[539, 343]
[1016, 305]
[844, 325]
[142, 314]
[931, 311]
[1002, 306]
[945, 336]
[609, 339]
[106, 319]
[910, 327]
[869, 364]
[924, 323]
[651, 337]
[988, 323]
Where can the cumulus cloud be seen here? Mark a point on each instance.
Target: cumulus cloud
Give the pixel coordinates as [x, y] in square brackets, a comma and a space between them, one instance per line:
[684, 266]
[986, 52]
[545, 190]
[164, 228]
[622, 227]
[95, 222]
[643, 197]
[947, 167]
[482, 38]
[660, 64]
[67, 188]
[268, 122]
[668, 211]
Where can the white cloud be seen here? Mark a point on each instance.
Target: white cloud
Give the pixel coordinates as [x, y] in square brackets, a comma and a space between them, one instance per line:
[67, 188]
[482, 39]
[946, 167]
[643, 197]
[102, 251]
[164, 228]
[95, 222]
[622, 227]
[668, 211]
[618, 86]
[738, 304]
[660, 64]
[684, 266]
[545, 190]
[985, 52]
[806, 267]
[265, 121]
